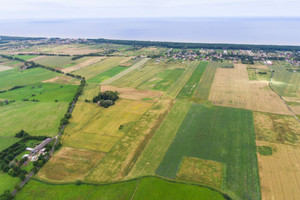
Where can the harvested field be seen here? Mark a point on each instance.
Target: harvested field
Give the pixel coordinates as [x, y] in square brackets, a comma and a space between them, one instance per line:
[188, 90]
[220, 134]
[4, 68]
[121, 158]
[279, 173]
[90, 61]
[126, 59]
[99, 67]
[202, 171]
[96, 128]
[277, 128]
[69, 165]
[123, 73]
[62, 79]
[203, 89]
[232, 88]
[155, 151]
[131, 93]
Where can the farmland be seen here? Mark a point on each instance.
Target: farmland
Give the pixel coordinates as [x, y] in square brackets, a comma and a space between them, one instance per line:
[7, 182]
[218, 143]
[6, 142]
[107, 74]
[54, 61]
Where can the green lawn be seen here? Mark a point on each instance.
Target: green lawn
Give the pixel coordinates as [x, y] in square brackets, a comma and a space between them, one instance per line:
[163, 80]
[37, 118]
[219, 134]
[7, 182]
[188, 90]
[149, 188]
[6, 142]
[44, 92]
[107, 74]
[25, 57]
[15, 77]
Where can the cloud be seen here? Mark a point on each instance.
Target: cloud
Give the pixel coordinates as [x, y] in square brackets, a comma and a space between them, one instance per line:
[54, 9]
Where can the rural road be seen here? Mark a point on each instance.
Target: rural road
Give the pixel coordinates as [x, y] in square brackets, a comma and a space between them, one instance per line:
[23, 182]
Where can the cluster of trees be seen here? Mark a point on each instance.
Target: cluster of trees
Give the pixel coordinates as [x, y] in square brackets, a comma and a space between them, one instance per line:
[106, 99]
[13, 88]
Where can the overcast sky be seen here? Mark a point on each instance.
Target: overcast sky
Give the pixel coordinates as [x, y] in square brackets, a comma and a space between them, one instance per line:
[55, 9]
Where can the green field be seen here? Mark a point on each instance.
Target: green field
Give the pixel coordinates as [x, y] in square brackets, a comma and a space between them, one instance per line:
[286, 83]
[188, 90]
[36, 118]
[107, 74]
[7, 182]
[163, 80]
[148, 188]
[14, 77]
[6, 142]
[219, 134]
[44, 92]
[25, 57]
[54, 61]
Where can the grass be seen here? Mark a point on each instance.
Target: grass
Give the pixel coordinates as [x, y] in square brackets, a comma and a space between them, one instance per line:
[154, 152]
[97, 128]
[36, 118]
[54, 61]
[265, 150]
[25, 57]
[154, 188]
[203, 89]
[219, 134]
[14, 77]
[7, 182]
[202, 171]
[258, 74]
[188, 90]
[6, 142]
[44, 92]
[40, 190]
[149, 188]
[163, 80]
[69, 165]
[107, 74]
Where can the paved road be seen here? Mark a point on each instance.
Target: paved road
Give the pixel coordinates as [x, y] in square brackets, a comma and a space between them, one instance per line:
[23, 182]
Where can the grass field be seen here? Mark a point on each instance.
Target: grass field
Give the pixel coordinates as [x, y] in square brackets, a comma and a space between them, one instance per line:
[44, 92]
[14, 77]
[277, 128]
[7, 182]
[6, 142]
[188, 90]
[218, 134]
[54, 61]
[37, 118]
[148, 188]
[25, 57]
[80, 63]
[4, 68]
[202, 91]
[154, 152]
[107, 74]
[98, 67]
[97, 128]
[69, 165]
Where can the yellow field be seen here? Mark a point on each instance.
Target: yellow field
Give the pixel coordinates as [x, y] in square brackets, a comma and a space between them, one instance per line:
[203, 171]
[90, 91]
[121, 158]
[231, 87]
[63, 79]
[279, 173]
[90, 61]
[99, 67]
[69, 165]
[97, 128]
[276, 128]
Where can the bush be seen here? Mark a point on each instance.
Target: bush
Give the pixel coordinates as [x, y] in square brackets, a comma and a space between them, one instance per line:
[78, 182]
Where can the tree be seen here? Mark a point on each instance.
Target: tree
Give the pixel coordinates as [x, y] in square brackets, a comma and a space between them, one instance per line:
[78, 182]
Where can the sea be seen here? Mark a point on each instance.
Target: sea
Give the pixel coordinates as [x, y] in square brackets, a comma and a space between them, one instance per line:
[276, 31]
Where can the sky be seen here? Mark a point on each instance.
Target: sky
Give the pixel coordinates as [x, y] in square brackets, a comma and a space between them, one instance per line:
[74, 9]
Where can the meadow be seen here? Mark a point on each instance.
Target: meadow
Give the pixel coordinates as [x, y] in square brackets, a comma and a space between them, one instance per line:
[6, 142]
[25, 57]
[225, 135]
[146, 188]
[188, 90]
[7, 182]
[15, 77]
